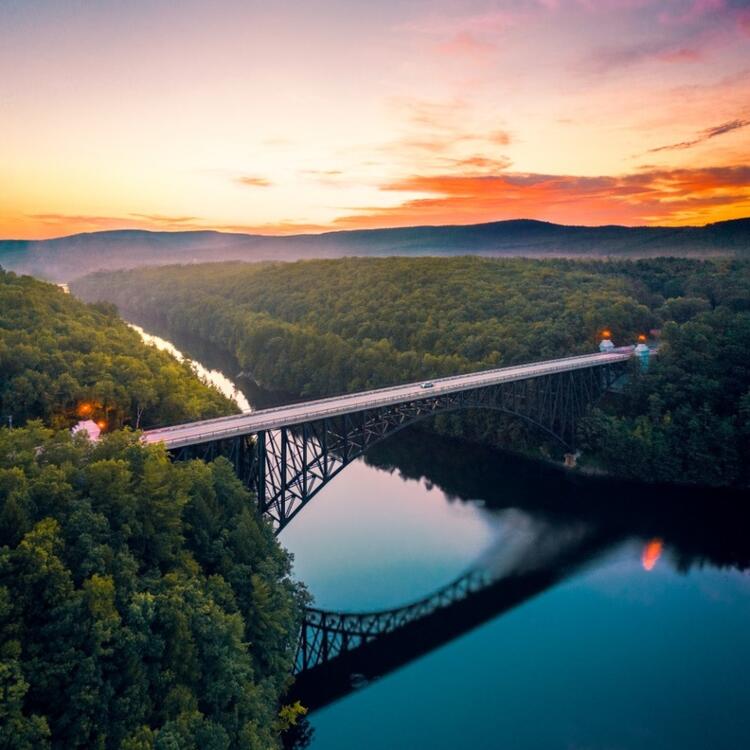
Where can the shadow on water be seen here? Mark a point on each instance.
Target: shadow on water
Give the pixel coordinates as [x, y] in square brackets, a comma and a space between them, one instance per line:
[706, 523]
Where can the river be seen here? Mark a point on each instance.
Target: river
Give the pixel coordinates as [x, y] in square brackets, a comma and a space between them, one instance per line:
[643, 642]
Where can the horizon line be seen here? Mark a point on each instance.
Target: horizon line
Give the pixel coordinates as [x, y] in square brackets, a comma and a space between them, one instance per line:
[323, 231]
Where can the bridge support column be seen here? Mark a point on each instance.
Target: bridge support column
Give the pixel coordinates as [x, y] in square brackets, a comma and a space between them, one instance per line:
[260, 467]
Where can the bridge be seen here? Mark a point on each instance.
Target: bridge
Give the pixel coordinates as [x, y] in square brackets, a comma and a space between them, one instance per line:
[287, 454]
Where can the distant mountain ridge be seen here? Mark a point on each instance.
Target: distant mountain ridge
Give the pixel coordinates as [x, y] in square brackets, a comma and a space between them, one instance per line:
[64, 258]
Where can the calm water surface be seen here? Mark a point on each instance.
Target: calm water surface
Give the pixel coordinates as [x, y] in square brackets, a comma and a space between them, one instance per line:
[645, 642]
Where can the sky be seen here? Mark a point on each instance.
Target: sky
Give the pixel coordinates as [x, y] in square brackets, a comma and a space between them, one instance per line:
[314, 115]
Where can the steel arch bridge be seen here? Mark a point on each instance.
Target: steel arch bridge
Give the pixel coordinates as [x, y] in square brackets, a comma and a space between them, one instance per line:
[286, 455]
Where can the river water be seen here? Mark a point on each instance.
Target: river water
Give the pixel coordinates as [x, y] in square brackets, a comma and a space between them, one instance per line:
[638, 635]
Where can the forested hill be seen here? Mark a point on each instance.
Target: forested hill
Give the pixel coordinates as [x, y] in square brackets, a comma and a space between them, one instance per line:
[62, 360]
[322, 327]
[68, 257]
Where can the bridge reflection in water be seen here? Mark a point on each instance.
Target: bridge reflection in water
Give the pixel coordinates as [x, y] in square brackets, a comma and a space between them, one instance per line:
[576, 523]
[338, 652]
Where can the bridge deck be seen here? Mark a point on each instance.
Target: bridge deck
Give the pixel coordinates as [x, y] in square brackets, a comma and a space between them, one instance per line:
[209, 430]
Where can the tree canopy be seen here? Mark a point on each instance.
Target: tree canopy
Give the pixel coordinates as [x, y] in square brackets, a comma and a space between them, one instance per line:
[62, 360]
[143, 604]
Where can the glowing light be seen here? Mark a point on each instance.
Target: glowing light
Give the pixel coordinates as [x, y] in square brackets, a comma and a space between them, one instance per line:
[642, 338]
[101, 424]
[651, 553]
[84, 409]
[606, 334]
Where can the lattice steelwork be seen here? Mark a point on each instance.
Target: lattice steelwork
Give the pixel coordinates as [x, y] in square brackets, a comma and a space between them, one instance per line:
[287, 466]
[295, 462]
[327, 635]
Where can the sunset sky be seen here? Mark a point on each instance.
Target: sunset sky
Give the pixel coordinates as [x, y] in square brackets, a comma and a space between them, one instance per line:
[290, 116]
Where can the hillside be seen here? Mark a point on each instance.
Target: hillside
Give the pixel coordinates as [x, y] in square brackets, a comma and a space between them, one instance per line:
[68, 257]
[62, 360]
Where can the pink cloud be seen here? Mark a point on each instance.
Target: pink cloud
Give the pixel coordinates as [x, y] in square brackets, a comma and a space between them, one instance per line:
[697, 11]
[465, 44]
[681, 55]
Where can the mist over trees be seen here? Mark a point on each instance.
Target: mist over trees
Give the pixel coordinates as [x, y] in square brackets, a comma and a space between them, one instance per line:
[65, 258]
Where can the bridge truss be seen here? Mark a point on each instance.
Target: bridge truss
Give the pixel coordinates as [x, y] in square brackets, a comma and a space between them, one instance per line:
[287, 466]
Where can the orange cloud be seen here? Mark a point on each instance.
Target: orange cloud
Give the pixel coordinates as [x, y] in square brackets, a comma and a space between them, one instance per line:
[275, 228]
[251, 181]
[167, 220]
[655, 196]
[62, 224]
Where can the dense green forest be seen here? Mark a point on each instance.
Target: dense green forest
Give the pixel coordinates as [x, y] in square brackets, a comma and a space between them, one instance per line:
[321, 327]
[317, 327]
[143, 603]
[62, 360]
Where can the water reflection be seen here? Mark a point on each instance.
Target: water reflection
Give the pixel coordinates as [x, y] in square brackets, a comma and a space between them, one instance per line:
[633, 628]
[340, 653]
[532, 551]
[651, 553]
[212, 377]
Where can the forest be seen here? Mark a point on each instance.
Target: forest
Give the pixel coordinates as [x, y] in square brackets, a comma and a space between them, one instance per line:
[62, 360]
[143, 603]
[327, 326]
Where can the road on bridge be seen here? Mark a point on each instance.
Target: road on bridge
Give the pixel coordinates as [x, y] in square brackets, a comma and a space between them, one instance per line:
[209, 430]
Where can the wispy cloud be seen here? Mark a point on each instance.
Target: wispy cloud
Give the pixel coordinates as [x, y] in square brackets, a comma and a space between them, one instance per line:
[482, 163]
[465, 44]
[607, 59]
[445, 135]
[694, 12]
[254, 181]
[71, 223]
[705, 135]
[91, 221]
[166, 220]
[680, 33]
